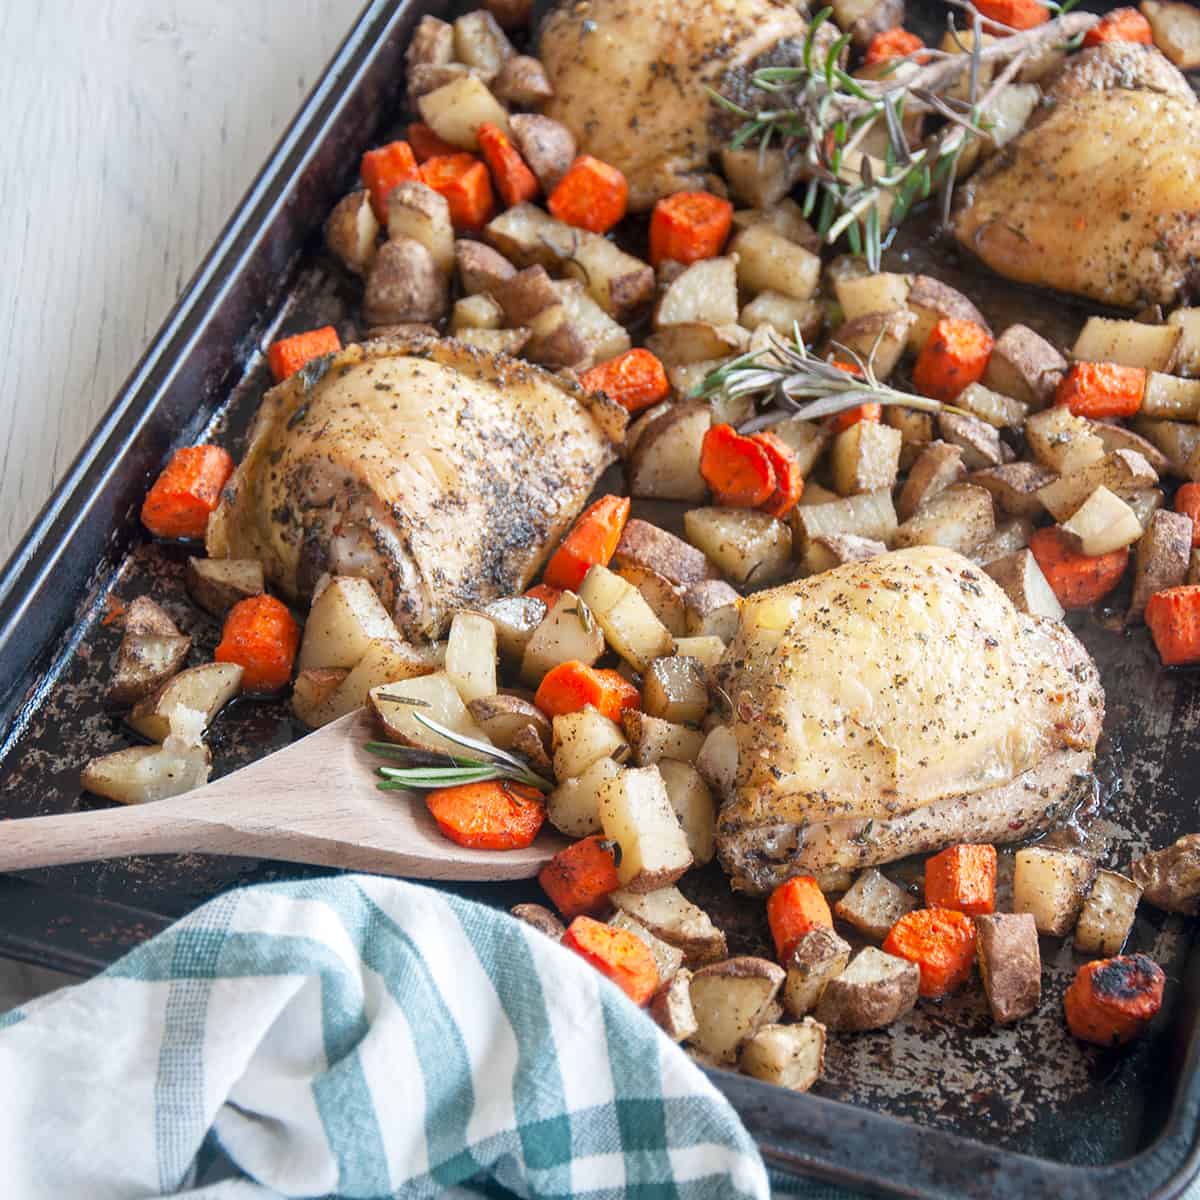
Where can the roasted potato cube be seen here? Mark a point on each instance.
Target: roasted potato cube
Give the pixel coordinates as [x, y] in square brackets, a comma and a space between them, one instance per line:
[669, 915]
[731, 1000]
[405, 284]
[456, 110]
[874, 904]
[665, 463]
[861, 294]
[693, 805]
[432, 44]
[1123, 472]
[872, 992]
[711, 609]
[475, 312]
[706, 291]
[471, 656]
[695, 342]
[979, 442]
[757, 177]
[674, 690]
[807, 439]
[672, 1007]
[1010, 962]
[880, 337]
[385, 660]
[1130, 343]
[1107, 915]
[603, 337]
[1187, 352]
[1103, 523]
[958, 518]
[515, 619]
[1051, 885]
[786, 217]
[769, 262]
[217, 584]
[569, 631]
[653, 739]
[1177, 440]
[636, 813]
[1169, 398]
[494, 341]
[522, 81]
[789, 1056]
[930, 300]
[1008, 537]
[829, 551]
[580, 738]
[667, 958]
[870, 515]
[748, 546]
[481, 44]
[352, 231]
[541, 919]
[143, 774]
[1163, 556]
[783, 313]
[312, 692]
[145, 662]
[480, 268]
[865, 458]
[1015, 487]
[820, 955]
[573, 807]
[999, 411]
[645, 545]
[145, 618]
[528, 236]
[916, 429]
[1170, 878]
[706, 650]
[1025, 366]
[548, 147]
[502, 717]
[432, 696]
[428, 77]
[205, 689]
[526, 294]
[660, 594]
[618, 282]
[628, 622]
[344, 619]
[418, 212]
[1022, 581]
[1144, 505]
[939, 465]
[718, 760]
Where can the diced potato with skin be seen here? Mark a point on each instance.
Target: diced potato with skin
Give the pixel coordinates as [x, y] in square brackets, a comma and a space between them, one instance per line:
[311, 692]
[522, 82]
[515, 618]
[1178, 440]
[1103, 523]
[646, 545]
[481, 44]
[636, 813]
[1025, 366]
[939, 465]
[706, 650]
[495, 341]
[417, 211]
[142, 774]
[456, 110]
[503, 718]
[1010, 963]
[435, 698]
[916, 428]
[428, 77]
[820, 955]
[1163, 556]
[1008, 114]
[693, 805]
[539, 917]
[385, 660]
[998, 410]
[829, 551]
[639, 426]
[205, 689]
[145, 661]
[653, 739]
[476, 312]
[1022, 581]
[865, 458]
[1145, 504]
[807, 439]
[217, 584]
[876, 337]
[958, 518]
[672, 1007]
[674, 689]
[603, 336]
[1062, 441]
[668, 914]
[665, 463]
[1169, 398]
[732, 1000]
[629, 624]
[696, 341]
[660, 594]
[718, 760]
[1129, 343]
[1187, 352]
[759, 178]
[568, 632]
[783, 314]
[618, 282]
[352, 231]
[580, 738]
[527, 236]
[1051, 885]
[1015, 487]
[789, 1056]
[405, 285]
[748, 546]
[874, 904]
[870, 515]
[1122, 472]
[1118, 437]
[432, 43]
[769, 262]
[705, 291]
[872, 992]
[471, 656]
[1008, 537]
[979, 441]
[667, 958]
[343, 620]
[786, 217]
[573, 807]
[1107, 915]
[711, 609]
[861, 294]
[555, 342]
[480, 268]
[930, 300]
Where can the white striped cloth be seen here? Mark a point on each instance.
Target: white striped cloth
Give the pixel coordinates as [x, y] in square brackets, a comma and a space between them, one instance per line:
[356, 1037]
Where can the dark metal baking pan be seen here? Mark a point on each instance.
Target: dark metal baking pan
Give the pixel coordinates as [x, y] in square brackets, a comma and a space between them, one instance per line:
[940, 1105]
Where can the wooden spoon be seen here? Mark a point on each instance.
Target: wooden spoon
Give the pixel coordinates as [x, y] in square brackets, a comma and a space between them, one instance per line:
[313, 802]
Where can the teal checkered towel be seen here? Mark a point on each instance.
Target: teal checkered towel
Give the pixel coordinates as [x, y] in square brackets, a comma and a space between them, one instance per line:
[356, 1037]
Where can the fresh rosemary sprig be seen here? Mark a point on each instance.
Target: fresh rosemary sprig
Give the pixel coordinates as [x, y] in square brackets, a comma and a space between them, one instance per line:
[425, 770]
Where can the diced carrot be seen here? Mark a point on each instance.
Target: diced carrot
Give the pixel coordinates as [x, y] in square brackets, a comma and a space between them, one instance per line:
[1097, 390]
[496, 815]
[737, 469]
[188, 490]
[962, 878]
[617, 954]
[789, 482]
[1173, 618]
[545, 593]
[591, 543]
[574, 685]
[1076, 579]
[592, 195]
[382, 169]
[1187, 501]
[852, 416]
[635, 380]
[955, 356]
[426, 144]
[796, 906]
[1111, 1000]
[892, 43]
[940, 941]
[1120, 25]
[515, 182]
[466, 185]
[288, 355]
[689, 226]
[580, 878]
[1016, 14]
[262, 637]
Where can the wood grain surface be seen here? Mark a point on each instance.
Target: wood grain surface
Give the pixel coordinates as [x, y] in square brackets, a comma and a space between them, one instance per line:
[131, 130]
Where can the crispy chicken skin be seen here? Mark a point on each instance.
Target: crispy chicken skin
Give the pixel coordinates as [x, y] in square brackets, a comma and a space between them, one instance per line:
[442, 474]
[892, 706]
[629, 79]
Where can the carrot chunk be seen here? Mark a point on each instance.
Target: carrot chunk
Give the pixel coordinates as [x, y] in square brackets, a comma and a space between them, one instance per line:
[789, 482]
[1111, 1000]
[1097, 390]
[1173, 618]
[592, 195]
[617, 954]
[382, 169]
[592, 542]
[290, 354]
[796, 906]
[962, 878]
[1016, 14]
[635, 380]
[737, 468]
[466, 185]
[892, 43]
[852, 416]
[1076, 579]
[496, 815]
[689, 226]
[1120, 25]
[573, 685]
[942, 944]
[426, 144]
[545, 593]
[515, 182]
[955, 356]
[262, 637]
[188, 490]
[580, 878]
[1187, 501]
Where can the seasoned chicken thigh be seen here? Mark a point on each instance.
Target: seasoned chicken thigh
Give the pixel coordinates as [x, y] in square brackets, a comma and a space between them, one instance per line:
[442, 474]
[893, 706]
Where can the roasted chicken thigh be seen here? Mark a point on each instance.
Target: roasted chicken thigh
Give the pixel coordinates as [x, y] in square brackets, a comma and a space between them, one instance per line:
[893, 706]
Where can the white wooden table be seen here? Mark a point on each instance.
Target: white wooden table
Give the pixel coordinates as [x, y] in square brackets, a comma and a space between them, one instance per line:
[131, 129]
